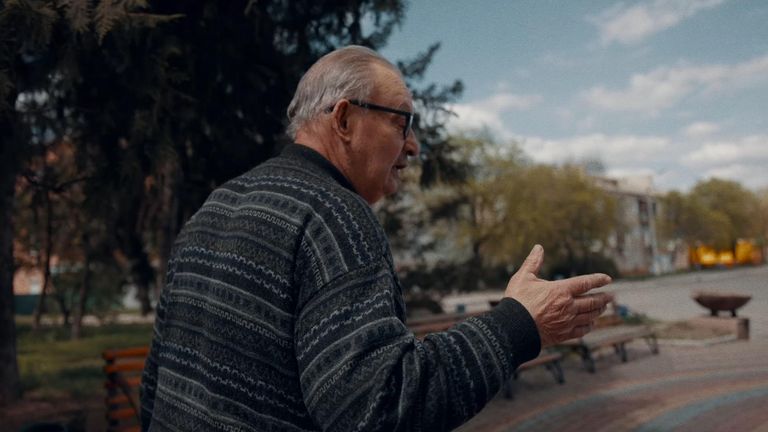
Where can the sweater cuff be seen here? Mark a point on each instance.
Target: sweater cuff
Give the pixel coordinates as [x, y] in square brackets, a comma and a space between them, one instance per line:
[522, 335]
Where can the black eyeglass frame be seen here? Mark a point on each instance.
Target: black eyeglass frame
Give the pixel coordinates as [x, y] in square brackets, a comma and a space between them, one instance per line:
[410, 117]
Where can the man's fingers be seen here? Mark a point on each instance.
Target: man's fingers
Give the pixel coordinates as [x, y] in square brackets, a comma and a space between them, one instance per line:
[580, 331]
[587, 318]
[581, 284]
[591, 302]
[533, 262]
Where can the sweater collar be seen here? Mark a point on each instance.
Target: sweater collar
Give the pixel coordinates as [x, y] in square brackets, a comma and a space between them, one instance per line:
[303, 153]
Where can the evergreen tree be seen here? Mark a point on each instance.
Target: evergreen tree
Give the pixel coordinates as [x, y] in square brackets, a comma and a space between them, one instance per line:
[165, 100]
[37, 39]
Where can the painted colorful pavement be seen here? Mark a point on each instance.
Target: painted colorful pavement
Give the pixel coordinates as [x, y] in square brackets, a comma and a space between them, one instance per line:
[717, 388]
[722, 387]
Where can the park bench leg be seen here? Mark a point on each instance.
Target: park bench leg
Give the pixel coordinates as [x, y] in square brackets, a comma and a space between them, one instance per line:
[556, 371]
[509, 386]
[586, 356]
[621, 351]
[653, 344]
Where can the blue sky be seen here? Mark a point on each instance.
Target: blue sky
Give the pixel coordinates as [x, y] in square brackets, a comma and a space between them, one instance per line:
[674, 89]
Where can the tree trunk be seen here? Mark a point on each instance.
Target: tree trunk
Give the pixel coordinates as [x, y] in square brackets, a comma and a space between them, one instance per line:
[10, 388]
[168, 223]
[129, 228]
[85, 288]
[141, 272]
[64, 309]
[40, 310]
[9, 371]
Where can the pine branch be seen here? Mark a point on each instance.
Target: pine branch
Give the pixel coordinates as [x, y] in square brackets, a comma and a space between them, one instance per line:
[52, 187]
[111, 13]
[108, 13]
[78, 13]
[34, 20]
[141, 19]
[249, 7]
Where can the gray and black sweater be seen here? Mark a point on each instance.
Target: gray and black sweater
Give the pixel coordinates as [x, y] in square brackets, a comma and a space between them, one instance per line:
[282, 312]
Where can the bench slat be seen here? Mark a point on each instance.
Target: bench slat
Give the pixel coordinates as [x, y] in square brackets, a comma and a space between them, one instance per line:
[540, 360]
[114, 354]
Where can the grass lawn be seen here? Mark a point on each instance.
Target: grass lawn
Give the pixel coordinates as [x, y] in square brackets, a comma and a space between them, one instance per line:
[52, 366]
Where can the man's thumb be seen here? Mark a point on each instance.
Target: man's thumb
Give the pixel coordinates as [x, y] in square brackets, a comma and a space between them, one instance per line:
[533, 262]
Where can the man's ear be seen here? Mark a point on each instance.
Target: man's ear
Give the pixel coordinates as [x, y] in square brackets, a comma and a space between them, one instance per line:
[341, 122]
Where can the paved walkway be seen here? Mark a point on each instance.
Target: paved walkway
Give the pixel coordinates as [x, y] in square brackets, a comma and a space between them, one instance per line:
[668, 298]
[721, 387]
[717, 388]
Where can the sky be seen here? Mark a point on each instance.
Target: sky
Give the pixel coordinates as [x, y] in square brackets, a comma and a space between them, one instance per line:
[673, 89]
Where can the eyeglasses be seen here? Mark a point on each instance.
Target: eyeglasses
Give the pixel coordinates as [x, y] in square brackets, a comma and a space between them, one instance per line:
[411, 118]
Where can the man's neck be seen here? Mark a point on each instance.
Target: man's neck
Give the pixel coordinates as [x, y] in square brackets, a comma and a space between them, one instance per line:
[333, 152]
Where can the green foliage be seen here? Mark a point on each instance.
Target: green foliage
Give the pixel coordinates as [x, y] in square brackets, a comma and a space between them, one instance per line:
[480, 230]
[437, 151]
[590, 262]
[52, 365]
[716, 212]
[165, 100]
[737, 207]
[107, 290]
[557, 207]
[78, 14]
[762, 196]
[31, 18]
[111, 13]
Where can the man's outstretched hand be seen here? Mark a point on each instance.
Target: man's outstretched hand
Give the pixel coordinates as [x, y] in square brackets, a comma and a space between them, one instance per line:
[562, 309]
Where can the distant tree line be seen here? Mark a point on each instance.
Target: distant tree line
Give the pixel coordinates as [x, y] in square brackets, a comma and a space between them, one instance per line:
[469, 234]
[715, 212]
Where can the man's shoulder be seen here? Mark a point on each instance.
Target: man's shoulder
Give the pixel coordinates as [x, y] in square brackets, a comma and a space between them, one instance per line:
[287, 185]
[336, 215]
[285, 177]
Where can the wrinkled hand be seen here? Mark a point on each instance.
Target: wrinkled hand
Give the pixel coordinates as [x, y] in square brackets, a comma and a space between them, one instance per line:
[561, 309]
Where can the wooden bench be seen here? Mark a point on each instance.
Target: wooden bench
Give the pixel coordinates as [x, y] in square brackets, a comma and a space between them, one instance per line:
[550, 360]
[123, 369]
[610, 331]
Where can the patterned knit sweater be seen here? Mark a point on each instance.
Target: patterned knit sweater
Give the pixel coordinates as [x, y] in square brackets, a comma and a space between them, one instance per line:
[282, 312]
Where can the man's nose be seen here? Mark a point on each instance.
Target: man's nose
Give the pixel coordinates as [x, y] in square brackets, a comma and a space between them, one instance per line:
[412, 146]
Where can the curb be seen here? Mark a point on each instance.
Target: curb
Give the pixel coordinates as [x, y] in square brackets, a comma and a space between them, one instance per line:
[697, 342]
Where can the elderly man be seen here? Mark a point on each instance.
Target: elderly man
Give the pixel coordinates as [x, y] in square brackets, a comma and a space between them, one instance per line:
[282, 309]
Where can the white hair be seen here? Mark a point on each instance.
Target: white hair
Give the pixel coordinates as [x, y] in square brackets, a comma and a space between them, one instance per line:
[346, 73]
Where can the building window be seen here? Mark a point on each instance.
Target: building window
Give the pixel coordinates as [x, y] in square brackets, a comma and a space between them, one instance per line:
[642, 210]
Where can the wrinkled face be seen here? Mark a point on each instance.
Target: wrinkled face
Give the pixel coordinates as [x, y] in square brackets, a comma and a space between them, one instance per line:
[379, 150]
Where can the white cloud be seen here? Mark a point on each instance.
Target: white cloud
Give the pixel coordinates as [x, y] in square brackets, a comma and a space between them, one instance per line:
[508, 101]
[632, 23]
[700, 129]
[630, 172]
[615, 151]
[675, 161]
[752, 176]
[750, 150]
[488, 112]
[666, 86]
[743, 159]
[559, 61]
[470, 117]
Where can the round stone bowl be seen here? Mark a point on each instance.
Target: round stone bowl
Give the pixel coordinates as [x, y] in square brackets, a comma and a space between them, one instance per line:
[717, 302]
